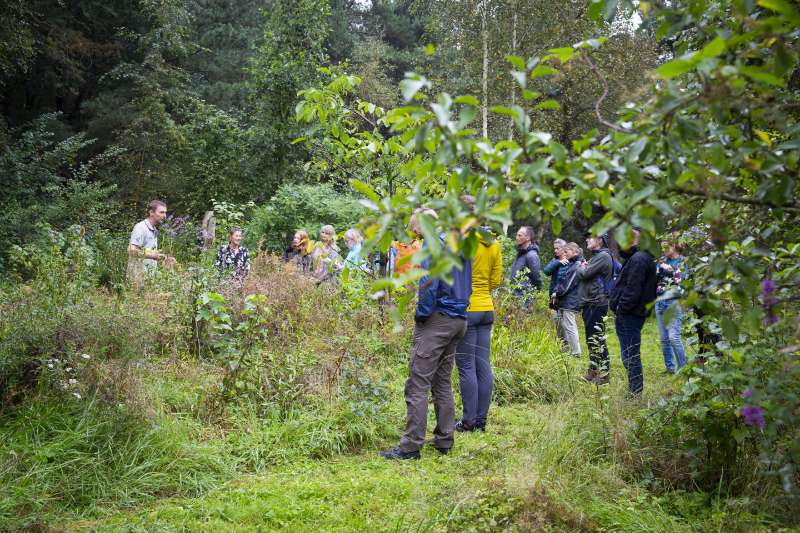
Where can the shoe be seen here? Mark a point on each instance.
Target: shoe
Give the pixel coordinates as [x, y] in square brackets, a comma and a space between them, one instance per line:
[590, 376]
[600, 379]
[668, 371]
[465, 426]
[397, 453]
[633, 396]
[481, 426]
[443, 451]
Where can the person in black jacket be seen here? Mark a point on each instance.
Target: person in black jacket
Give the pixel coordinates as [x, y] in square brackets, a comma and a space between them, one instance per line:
[634, 291]
[593, 276]
[526, 273]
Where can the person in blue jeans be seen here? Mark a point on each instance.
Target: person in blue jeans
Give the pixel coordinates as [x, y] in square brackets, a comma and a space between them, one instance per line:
[669, 273]
[634, 291]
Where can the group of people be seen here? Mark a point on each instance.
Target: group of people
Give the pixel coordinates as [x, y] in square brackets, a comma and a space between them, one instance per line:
[454, 320]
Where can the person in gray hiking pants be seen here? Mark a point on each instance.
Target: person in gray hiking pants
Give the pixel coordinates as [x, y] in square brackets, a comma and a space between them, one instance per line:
[441, 322]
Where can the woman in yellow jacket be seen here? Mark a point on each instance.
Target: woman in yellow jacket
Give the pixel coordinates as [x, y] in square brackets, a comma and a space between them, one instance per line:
[472, 356]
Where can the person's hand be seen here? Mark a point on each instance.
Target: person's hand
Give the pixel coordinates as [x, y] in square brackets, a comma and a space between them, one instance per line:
[564, 262]
[666, 267]
[584, 263]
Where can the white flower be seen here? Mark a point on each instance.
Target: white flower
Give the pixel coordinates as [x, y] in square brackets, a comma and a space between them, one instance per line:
[77, 395]
[68, 369]
[86, 356]
[49, 365]
[73, 381]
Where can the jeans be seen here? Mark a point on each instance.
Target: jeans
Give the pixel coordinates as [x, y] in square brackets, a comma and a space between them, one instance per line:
[671, 344]
[568, 330]
[474, 371]
[596, 337]
[629, 331]
[430, 371]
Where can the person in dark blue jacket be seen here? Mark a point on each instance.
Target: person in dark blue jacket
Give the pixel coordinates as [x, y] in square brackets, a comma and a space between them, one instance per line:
[634, 291]
[551, 268]
[440, 323]
[567, 298]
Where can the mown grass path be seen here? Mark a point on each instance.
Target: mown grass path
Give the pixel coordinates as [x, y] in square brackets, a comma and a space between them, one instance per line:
[538, 467]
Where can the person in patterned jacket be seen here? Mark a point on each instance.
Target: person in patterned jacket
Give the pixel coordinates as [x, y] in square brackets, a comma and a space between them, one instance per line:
[233, 255]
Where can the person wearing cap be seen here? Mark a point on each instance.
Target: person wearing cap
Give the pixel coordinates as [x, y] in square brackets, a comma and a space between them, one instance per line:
[630, 300]
[594, 305]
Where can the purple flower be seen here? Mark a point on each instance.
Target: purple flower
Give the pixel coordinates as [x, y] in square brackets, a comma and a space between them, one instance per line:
[753, 416]
[769, 300]
[748, 392]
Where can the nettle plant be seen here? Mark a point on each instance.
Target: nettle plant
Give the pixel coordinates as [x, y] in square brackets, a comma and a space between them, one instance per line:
[714, 143]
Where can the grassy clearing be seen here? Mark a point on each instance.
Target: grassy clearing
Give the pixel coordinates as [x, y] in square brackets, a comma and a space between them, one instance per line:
[542, 465]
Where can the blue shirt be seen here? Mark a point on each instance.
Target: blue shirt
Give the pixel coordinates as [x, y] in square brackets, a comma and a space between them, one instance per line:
[437, 295]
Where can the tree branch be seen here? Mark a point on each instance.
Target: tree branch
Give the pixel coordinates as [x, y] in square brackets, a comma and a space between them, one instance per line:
[789, 206]
[598, 103]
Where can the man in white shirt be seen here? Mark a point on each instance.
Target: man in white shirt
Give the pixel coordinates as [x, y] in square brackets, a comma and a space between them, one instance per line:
[143, 254]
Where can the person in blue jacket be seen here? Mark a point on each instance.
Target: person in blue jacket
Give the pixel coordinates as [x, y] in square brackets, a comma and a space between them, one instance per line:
[440, 323]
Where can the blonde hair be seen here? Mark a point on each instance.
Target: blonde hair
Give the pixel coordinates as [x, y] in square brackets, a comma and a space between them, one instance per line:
[328, 228]
[353, 235]
[574, 248]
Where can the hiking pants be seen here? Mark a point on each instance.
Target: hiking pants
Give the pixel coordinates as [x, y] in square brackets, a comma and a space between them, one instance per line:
[568, 330]
[474, 371]
[595, 330]
[670, 333]
[429, 370]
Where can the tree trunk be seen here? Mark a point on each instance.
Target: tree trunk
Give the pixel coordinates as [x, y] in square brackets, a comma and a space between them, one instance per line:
[485, 37]
[513, 5]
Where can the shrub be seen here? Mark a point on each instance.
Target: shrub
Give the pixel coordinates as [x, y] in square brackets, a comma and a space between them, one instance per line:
[301, 207]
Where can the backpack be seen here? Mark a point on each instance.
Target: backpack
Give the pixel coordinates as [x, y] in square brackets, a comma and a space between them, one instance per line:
[609, 284]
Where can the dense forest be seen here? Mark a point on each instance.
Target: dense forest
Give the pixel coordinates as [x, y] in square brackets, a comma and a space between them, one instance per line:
[203, 404]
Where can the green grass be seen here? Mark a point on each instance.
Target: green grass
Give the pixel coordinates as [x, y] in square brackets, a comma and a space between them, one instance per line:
[542, 465]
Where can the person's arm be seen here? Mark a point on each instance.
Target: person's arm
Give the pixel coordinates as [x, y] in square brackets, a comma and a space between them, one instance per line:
[426, 298]
[535, 267]
[630, 295]
[595, 266]
[496, 275]
[136, 248]
[552, 267]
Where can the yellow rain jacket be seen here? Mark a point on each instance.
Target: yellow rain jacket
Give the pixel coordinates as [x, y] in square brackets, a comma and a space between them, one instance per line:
[487, 271]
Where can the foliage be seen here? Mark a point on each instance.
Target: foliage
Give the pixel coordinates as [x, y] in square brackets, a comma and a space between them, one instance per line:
[297, 207]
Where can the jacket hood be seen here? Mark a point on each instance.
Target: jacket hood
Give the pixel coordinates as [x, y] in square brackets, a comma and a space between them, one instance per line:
[531, 246]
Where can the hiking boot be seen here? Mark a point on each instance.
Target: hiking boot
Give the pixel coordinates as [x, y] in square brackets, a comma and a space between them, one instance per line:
[590, 376]
[600, 379]
[397, 453]
[443, 451]
[463, 426]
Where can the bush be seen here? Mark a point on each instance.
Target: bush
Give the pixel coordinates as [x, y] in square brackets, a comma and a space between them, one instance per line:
[301, 207]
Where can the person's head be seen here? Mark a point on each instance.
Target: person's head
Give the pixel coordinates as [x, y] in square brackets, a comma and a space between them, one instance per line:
[571, 250]
[524, 236]
[596, 242]
[235, 236]
[414, 224]
[156, 211]
[671, 248]
[300, 239]
[557, 245]
[327, 234]
[352, 237]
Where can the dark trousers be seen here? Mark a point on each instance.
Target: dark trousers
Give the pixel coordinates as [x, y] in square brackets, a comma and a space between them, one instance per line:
[595, 329]
[474, 371]
[429, 370]
[629, 331]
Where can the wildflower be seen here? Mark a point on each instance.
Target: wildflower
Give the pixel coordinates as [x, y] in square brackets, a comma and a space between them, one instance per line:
[72, 381]
[49, 365]
[86, 356]
[77, 395]
[769, 300]
[753, 416]
[68, 369]
[748, 392]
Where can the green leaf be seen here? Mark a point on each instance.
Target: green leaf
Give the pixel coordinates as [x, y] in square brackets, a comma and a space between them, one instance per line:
[517, 61]
[548, 104]
[542, 70]
[531, 95]
[759, 74]
[563, 54]
[712, 49]
[466, 99]
[556, 225]
[676, 67]
[409, 87]
[779, 6]
[729, 329]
